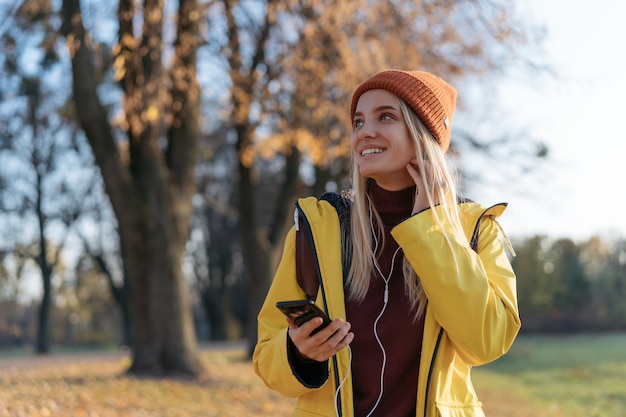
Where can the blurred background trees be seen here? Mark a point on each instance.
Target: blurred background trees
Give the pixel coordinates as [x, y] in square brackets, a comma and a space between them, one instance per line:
[565, 286]
[170, 139]
[41, 198]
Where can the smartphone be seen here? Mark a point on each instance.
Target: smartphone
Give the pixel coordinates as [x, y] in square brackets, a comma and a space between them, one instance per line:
[301, 311]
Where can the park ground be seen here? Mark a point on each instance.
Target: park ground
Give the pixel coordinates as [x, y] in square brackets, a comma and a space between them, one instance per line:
[542, 376]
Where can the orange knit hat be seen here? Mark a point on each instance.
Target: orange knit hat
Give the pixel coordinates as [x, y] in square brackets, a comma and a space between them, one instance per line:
[429, 96]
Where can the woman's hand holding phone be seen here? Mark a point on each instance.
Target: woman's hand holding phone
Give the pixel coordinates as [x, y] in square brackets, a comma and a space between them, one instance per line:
[317, 338]
[323, 344]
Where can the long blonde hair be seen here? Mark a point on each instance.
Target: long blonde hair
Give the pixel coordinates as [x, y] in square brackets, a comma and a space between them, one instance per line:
[363, 214]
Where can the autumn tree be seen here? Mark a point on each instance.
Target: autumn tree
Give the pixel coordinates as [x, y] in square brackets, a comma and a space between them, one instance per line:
[147, 163]
[292, 66]
[535, 287]
[11, 267]
[573, 292]
[215, 248]
[604, 263]
[36, 145]
[613, 288]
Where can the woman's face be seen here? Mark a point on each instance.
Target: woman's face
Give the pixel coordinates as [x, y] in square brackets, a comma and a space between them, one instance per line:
[380, 140]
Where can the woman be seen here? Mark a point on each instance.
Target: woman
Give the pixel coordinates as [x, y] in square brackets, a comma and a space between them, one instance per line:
[428, 291]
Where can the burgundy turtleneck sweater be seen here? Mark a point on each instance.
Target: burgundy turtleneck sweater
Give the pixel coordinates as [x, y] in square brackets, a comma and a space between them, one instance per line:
[401, 337]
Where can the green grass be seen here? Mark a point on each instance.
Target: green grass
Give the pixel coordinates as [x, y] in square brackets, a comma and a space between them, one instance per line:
[573, 376]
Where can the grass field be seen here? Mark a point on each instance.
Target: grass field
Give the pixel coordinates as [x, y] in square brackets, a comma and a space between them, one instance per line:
[571, 376]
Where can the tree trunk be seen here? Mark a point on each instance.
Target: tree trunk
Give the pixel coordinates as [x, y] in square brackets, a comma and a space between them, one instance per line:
[42, 344]
[121, 295]
[127, 329]
[161, 314]
[151, 194]
[257, 253]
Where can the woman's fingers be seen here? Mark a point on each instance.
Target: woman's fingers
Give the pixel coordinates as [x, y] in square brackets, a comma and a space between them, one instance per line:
[323, 344]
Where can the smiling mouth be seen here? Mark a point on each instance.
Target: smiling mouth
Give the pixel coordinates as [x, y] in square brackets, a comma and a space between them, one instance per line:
[371, 151]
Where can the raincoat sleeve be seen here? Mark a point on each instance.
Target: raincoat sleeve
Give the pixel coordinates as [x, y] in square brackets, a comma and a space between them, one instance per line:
[275, 358]
[472, 294]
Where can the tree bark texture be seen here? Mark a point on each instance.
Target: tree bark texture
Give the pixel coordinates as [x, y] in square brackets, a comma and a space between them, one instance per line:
[151, 187]
[42, 344]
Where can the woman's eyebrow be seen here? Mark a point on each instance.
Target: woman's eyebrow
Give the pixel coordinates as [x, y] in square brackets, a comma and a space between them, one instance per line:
[386, 107]
[379, 109]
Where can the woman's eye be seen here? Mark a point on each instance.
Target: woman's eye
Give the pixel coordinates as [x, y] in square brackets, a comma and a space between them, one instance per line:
[357, 123]
[386, 116]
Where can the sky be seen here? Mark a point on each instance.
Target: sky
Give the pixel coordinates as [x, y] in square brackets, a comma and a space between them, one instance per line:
[579, 191]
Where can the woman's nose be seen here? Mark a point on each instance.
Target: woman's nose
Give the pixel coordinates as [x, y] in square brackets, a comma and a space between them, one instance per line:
[366, 131]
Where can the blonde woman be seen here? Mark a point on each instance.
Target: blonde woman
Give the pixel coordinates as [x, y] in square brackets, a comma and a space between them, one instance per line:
[419, 286]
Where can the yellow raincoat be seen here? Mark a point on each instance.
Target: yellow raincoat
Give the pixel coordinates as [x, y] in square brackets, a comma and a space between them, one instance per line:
[471, 318]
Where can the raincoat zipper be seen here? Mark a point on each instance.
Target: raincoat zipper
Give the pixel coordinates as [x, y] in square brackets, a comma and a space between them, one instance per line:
[430, 370]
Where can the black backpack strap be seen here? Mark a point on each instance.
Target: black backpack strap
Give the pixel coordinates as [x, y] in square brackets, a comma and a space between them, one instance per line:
[306, 268]
[306, 272]
[342, 203]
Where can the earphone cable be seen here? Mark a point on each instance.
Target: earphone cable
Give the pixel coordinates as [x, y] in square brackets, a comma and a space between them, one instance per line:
[345, 378]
